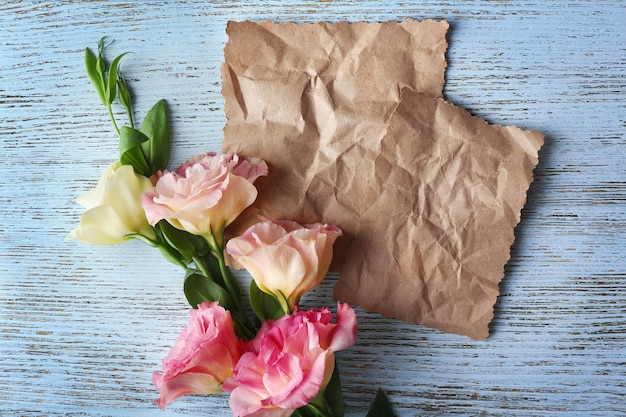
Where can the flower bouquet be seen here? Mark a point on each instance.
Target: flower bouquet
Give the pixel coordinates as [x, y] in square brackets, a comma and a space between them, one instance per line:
[281, 362]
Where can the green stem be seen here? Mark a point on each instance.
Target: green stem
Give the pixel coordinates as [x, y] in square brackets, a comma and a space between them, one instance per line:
[243, 329]
[230, 285]
[145, 239]
[130, 117]
[233, 289]
[117, 130]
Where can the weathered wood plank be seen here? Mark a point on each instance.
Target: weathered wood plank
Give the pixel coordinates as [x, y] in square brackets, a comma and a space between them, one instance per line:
[82, 328]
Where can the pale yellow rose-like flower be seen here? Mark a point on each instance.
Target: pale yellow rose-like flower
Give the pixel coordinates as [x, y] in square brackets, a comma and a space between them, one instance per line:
[113, 209]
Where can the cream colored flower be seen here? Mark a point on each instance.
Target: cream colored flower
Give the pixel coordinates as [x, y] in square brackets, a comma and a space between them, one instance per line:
[285, 259]
[113, 209]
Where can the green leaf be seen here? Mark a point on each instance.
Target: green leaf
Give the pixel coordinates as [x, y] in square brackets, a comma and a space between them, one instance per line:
[181, 240]
[198, 289]
[91, 64]
[187, 244]
[112, 78]
[265, 306]
[156, 126]
[334, 394]
[212, 264]
[170, 253]
[130, 150]
[307, 411]
[380, 406]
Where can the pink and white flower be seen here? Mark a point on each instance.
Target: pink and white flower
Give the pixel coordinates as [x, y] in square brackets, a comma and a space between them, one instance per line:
[284, 258]
[289, 361]
[204, 194]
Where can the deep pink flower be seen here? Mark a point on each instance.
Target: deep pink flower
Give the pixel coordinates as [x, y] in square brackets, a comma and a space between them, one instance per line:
[204, 194]
[202, 358]
[284, 258]
[289, 361]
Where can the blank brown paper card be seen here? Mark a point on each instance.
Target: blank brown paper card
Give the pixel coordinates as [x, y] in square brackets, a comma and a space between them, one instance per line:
[350, 120]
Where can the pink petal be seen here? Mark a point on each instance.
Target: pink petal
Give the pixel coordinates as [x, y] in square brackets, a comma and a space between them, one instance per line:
[346, 330]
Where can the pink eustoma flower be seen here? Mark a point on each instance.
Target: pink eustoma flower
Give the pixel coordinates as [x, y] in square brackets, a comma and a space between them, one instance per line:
[289, 361]
[284, 258]
[204, 194]
[202, 358]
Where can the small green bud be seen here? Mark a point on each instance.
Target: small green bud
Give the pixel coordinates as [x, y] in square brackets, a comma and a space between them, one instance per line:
[101, 63]
[123, 92]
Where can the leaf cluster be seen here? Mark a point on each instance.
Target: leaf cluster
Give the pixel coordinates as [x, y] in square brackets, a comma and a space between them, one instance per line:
[147, 148]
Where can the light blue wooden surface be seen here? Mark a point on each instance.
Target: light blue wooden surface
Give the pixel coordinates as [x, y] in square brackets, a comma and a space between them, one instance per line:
[83, 328]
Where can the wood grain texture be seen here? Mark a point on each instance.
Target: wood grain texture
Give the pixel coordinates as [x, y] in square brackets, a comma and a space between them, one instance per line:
[82, 328]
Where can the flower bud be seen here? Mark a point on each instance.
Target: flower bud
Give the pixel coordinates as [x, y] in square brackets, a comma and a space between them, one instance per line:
[123, 93]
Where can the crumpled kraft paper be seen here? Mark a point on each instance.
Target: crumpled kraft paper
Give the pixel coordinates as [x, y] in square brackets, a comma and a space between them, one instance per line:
[432, 244]
[350, 119]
